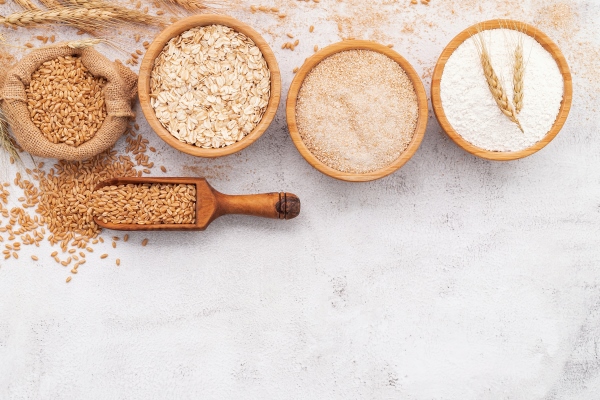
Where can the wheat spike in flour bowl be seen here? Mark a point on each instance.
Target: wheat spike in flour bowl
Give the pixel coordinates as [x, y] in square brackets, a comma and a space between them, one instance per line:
[501, 90]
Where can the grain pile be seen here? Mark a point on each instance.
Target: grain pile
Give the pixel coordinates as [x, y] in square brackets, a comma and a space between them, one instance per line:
[357, 111]
[146, 204]
[65, 101]
[210, 86]
[59, 199]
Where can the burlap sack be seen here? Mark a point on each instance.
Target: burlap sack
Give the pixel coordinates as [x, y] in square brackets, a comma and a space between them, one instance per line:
[119, 93]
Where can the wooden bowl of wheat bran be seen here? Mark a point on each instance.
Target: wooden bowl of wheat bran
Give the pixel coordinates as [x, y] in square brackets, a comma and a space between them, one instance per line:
[319, 159]
[547, 44]
[155, 49]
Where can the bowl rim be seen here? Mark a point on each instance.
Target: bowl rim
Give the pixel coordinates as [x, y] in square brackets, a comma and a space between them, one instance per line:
[157, 46]
[547, 44]
[315, 59]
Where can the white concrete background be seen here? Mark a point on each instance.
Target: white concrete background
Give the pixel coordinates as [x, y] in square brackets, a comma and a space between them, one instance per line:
[454, 278]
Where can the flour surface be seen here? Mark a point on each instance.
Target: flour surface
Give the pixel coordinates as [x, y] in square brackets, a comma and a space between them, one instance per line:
[473, 112]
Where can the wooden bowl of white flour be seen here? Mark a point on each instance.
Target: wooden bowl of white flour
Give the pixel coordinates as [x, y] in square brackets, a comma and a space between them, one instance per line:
[501, 90]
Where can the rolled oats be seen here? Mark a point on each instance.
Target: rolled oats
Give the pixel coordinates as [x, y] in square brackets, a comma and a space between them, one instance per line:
[210, 86]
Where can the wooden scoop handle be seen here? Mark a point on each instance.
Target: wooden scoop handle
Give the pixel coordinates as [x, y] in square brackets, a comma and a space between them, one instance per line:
[269, 205]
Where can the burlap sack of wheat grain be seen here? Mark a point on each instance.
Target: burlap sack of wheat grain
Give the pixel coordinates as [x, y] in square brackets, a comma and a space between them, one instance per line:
[119, 92]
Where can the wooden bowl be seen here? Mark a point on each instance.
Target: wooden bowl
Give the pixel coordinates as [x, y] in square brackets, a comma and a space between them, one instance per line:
[148, 64]
[547, 44]
[315, 59]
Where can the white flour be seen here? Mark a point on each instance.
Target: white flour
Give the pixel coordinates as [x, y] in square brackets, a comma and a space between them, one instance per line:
[470, 107]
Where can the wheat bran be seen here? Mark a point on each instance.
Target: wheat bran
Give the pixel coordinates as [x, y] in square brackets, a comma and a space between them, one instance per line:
[357, 111]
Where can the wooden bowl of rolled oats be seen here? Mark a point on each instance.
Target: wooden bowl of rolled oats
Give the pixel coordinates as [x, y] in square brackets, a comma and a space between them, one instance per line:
[209, 85]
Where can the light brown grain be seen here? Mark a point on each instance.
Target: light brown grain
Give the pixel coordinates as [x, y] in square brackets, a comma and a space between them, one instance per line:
[65, 101]
[146, 204]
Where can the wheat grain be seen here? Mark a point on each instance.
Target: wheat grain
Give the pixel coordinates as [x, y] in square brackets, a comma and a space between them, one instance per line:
[146, 204]
[493, 82]
[65, 101]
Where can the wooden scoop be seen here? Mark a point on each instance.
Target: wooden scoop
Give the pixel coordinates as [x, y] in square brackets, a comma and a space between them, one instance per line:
[211, 204]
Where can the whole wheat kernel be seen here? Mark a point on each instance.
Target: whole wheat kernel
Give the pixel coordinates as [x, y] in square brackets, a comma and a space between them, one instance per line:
[65, 101]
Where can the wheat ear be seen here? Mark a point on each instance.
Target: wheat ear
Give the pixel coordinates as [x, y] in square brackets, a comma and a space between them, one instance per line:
[120, 13]
[62, 15]
[518, 74]
[51, 4]
[494, 84]
[26, 4]
[6, 142]
[77, 44]
[96, 18]
[189, 5]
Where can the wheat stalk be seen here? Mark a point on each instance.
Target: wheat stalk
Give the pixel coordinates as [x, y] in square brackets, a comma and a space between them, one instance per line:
[79, 16]
[6, 141]
[518, 74]
[38, 17]
[51, 4]
[189, 5]
[26, 4]
[493, 82]
[76, 44]
[121, 13]
[82, 44]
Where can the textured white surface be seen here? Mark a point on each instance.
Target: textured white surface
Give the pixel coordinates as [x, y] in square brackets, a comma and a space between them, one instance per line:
[454, 278]
[471, 108]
